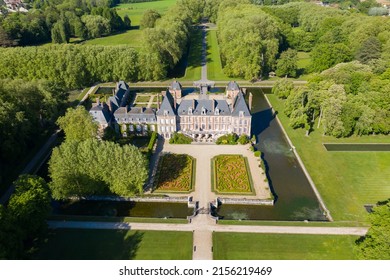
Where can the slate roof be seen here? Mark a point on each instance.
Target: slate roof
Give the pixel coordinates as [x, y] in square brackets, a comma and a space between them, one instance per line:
[233, 86]
[135, 113]
[175, 85]
[166, 105]
[101, 113]
[210, 106]
[240, 105]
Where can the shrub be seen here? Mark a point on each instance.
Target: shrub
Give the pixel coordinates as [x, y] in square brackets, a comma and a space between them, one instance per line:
[179, 138]
[228, 139]
[257, 154]
[244, 139]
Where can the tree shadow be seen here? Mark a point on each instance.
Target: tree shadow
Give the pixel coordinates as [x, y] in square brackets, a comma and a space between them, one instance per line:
[131, 245]
[266, 171]
[170, 167]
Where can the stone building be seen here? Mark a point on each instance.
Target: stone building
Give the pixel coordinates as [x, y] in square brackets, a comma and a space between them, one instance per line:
[205, 117]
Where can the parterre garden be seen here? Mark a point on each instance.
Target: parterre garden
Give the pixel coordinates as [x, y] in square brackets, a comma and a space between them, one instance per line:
[175, 173]
[231, 175]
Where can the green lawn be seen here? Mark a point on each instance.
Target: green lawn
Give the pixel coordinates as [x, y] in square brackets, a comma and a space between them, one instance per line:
[136, 10]
[345, 180]
[214, 65]
[194, 59]
[130, 37]
[303, 60]
[245, 246]
[91, 244]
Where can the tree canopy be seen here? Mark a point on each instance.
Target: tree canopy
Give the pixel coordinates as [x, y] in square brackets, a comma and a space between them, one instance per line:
[95, 167]
[24, 219]
[78, 124]
[375, 245]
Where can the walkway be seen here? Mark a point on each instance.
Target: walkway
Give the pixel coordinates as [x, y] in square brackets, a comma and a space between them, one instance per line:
[203, 80]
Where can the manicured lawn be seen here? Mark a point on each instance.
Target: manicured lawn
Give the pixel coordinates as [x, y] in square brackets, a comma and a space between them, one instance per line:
[194, 59]
[91, 244]
[345, 180]
[214, 65]
[131, 37]
[175, 173]
[142, 98]
[245, 246]
[231, 174]
[136, 10]
[303, 60]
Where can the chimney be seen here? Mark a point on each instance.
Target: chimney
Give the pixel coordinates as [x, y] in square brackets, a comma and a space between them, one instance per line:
[250, 101]
[244, 91]
[174, 101]
[158, 101]
[113, 92]
[97, 101]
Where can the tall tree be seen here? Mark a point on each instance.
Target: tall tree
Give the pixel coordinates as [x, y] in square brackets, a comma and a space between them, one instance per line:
[375, 244]
[30, 206]
[287, 64]
[78, 124]
[149, 19]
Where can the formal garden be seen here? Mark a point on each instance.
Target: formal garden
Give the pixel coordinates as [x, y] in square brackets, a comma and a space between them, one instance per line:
[175, 173]
[231, 175]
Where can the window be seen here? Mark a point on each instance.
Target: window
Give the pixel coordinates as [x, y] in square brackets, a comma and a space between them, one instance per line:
[172, 121]
[190, 111]
[165, 112]
[241, 114]
[217, 111]
[162, 121]
[203, 111]
[163, 129]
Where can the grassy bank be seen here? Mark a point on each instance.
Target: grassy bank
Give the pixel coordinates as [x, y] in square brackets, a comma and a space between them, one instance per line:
[346, 180]
[214, 65]
[245, 246]
[91, 244]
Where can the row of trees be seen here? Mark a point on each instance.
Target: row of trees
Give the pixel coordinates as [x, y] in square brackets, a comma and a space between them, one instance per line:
[83, 165]
[58, 20]
[23, 221]
[249, 39]
[344, 100]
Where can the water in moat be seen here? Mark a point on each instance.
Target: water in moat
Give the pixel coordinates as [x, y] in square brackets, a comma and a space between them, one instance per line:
[123, 209]
[295, 199]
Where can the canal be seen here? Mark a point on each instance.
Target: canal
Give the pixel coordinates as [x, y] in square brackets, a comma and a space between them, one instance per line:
[295, 199]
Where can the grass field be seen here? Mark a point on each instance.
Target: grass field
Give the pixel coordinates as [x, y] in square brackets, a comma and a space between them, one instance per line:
[245, 246]
[345, 180]
[131, 37]
[136, 10]
[214, 65]
[91, 244]
[194, 59]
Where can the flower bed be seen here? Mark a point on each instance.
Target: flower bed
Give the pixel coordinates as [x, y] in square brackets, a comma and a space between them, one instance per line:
[231, 175]
[176, 173]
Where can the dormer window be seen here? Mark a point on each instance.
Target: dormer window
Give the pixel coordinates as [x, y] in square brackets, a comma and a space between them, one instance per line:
[203, 111]
[241, 114]
[190, 111]
[165, 112]
[217, 111]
